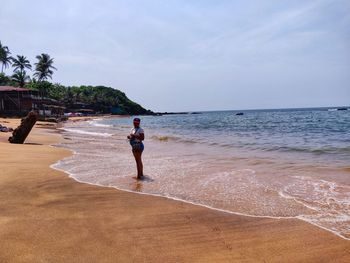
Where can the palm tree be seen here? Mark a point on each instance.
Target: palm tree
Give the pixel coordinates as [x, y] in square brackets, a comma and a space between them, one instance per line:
[5, 57]
[20, 63]
[43, 68]
[20, 78]
[43, 71]
[4, 80]
[68, 96]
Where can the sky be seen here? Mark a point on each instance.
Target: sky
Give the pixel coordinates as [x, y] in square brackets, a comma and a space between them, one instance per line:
[191, 55]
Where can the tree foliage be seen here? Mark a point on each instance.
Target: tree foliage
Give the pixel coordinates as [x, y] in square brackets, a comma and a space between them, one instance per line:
[5, 80]
[97, 98]
[44, 68]
[21, 63]
[20, 78]
[5, 57]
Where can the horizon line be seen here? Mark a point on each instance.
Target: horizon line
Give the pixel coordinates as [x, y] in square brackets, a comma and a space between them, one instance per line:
[256, 109]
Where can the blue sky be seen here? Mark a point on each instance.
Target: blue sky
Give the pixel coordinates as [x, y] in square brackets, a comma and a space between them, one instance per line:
[192, 55]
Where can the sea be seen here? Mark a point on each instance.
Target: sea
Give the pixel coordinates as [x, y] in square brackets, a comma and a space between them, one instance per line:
[283, 163]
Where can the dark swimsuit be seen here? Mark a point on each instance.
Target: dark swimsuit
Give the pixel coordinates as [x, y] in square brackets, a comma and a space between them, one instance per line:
[140, 147]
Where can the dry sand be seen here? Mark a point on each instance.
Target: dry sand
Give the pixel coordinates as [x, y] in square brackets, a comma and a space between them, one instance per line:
[45, 216]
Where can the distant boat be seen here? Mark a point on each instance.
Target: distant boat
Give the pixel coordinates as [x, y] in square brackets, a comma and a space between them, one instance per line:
[239, 113]
[336, 109]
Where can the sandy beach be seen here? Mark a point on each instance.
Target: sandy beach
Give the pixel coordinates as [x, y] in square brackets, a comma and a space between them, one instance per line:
[48, 217]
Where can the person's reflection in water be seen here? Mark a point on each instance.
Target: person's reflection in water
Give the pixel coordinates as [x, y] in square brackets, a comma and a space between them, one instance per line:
[138, 186]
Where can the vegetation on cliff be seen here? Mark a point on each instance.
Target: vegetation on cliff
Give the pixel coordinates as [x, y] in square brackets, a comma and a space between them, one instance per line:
[96, 99]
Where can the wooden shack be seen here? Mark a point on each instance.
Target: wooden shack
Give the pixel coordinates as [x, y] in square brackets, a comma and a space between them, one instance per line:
[16, 101]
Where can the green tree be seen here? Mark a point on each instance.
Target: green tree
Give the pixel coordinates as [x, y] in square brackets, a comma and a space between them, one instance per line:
[20, 78]
[42, 86]
[21, 63]
[100, 99]
[44, 68]
[5, 57]
[4, 80]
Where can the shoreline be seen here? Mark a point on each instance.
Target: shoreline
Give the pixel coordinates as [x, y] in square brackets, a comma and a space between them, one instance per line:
[75, 176]
[127, 226]
[193, 203]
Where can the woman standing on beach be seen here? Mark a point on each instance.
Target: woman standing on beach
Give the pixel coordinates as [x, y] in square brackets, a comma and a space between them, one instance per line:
[136, 137]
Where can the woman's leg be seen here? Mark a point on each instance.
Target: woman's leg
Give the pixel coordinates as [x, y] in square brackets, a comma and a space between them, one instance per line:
[139, 165]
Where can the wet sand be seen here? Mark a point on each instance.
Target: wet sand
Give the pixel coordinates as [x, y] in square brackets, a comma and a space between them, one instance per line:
[45, 216]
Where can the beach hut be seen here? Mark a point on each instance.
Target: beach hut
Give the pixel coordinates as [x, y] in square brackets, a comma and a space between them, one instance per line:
[20, 101]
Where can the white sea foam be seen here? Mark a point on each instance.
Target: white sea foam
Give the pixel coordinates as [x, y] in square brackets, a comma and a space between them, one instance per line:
[301, 217]
[56, 166]
[329, 201]
[101, 134]
[97, 124]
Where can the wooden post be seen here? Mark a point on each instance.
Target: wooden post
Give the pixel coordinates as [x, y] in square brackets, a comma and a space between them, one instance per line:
[22, 131]
[19, 103]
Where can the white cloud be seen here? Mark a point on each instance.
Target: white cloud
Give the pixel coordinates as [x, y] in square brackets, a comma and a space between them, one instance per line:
[157, 50]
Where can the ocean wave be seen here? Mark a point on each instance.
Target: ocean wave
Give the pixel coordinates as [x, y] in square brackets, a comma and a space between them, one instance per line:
[256, 146]
[164, 138]
[318, 151]
[167, 138]
[329, 201]
[331, 150]
[346, 169]
[96, 124]
[100, 134]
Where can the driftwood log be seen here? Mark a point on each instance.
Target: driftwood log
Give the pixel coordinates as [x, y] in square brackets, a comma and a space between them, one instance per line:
[22, 131]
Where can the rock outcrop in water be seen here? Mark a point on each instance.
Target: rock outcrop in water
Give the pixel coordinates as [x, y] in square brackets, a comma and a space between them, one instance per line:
[21, 132]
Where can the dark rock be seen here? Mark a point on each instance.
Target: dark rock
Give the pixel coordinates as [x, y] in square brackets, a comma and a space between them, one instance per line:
[21, 132]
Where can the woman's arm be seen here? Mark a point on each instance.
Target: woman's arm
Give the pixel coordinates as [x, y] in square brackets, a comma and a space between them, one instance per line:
[140, 136]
